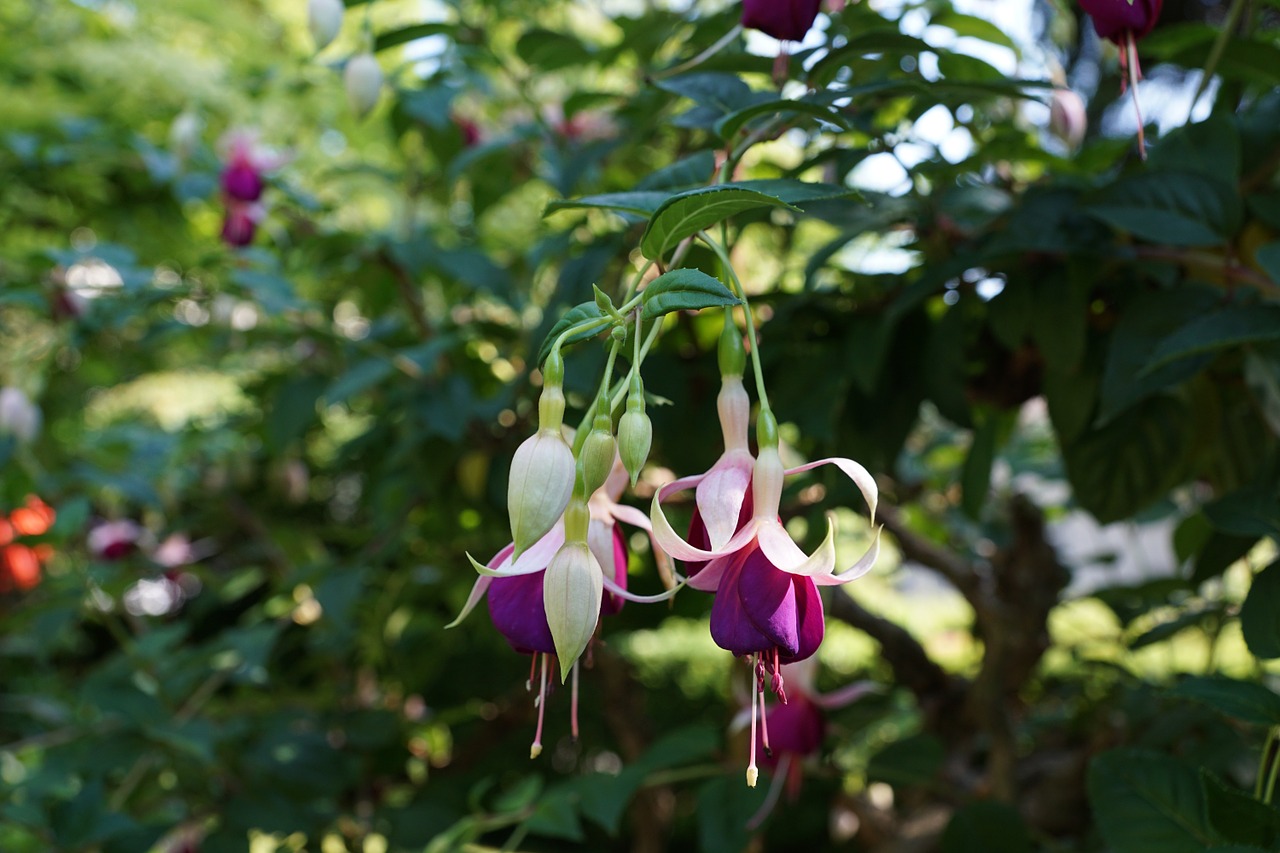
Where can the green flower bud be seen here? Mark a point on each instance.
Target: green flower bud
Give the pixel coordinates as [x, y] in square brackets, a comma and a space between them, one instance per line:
[732, 355]
[599, 450]
[635, 431]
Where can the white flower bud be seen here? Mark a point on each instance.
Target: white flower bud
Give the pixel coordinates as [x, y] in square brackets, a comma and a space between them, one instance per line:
[571, 590]
[324, 19]
[19, 416]
[538, 490]
[1067, 117]
[363, 79]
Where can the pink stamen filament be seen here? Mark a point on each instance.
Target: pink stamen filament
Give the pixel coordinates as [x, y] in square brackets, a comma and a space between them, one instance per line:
[764, 726]
[753, 773]
[573, 705]
[1135, 74]
[533, 672]
[536, 749]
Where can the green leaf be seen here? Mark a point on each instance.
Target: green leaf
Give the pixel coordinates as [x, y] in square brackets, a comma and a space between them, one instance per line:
[1120, 468]
[1244, 700]
[694, 170]
[1172, 627]
[1249, 512]
[1147, 321]
[556, 816]
[986, 827]
[361, 377]
[1268, 257]
[911, 761]
[1228, 327]
[552, 51]
[717, 90]
[574, 316]
[1260, 614]
[404, 35]
[735, 121]
[973, 27]
[1059, 320]
[1238, 817]
[1262, 376]
[684, 290]
[1144, 802]
[1171, 209]
[975, 476]
[725, 804]
[641, 203]
[688, 213]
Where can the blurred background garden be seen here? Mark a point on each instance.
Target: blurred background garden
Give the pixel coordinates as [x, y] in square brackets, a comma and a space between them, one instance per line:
[275, 281]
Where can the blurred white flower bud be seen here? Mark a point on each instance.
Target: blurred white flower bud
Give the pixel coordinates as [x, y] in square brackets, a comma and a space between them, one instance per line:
[363, 79]
[184, 134]
[324, 19]
[1067, 118]
[19, 416]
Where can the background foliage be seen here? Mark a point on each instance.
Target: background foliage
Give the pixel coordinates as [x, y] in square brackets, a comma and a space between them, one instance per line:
[1017, 337]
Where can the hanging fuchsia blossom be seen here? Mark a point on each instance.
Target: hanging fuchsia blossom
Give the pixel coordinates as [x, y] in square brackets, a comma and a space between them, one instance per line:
[1124, 22]
[767, 605]
[791, 731]
[516, 589]
[243, 180]
[785, 20]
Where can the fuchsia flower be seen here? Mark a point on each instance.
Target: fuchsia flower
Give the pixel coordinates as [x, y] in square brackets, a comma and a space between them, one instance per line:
[1124, 22]
[791, 731]
[767, 605]
[516, 592]
[785, 20]
[245, 164]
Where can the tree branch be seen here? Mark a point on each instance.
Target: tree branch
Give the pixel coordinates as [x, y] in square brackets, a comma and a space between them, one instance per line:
[963, 574]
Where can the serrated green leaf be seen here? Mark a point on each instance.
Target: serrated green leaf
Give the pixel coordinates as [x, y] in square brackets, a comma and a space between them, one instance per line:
[574, 316]
[688, 213]
[1228, 327]
[1144, 801]
[1244, 700]
[684, 290]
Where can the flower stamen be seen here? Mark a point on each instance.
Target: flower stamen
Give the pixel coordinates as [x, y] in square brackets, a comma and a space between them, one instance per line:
[536, 748]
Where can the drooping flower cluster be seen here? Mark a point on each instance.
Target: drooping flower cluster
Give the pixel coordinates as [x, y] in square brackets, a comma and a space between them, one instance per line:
[566, 566]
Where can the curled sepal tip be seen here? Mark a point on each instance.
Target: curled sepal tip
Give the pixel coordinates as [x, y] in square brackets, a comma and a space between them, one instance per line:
[572, 590]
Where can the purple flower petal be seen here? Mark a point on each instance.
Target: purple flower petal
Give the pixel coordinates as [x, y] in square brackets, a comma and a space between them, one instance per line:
[809, 619]
[1113, 18]
[516, 608]
[731, 628]
[786, 20]
[241, 181]
[769, 600]
[611, 604]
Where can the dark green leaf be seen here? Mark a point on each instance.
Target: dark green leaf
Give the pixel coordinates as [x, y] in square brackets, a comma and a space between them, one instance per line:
[361, 377]
[1260, 614]
[1244, 700]
[696, 169]
[1228, 327]
[735, 121]
[1238, 817]
[1268, 258]
[551, 50]
[641, 203]
[910, 761]
[688, 213]
[1173, 209]
[975, 476]
[575, 315]
[986, 827]
[1144, 802]
[1250, 513]
[404, 35]
[725, 804]
[684, 290]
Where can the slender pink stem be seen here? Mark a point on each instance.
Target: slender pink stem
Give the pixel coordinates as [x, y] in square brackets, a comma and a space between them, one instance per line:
[1135, 74]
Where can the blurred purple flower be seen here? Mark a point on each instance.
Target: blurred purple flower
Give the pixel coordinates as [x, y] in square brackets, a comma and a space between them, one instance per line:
[1115, 19]
[785, 20]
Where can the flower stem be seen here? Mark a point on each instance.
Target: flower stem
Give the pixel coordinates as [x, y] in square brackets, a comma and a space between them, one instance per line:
[1215, 53]
[736, 286]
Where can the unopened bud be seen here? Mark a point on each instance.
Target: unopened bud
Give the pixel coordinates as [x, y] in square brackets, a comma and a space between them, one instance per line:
[732, 354]
[363, 79]
[541, 481]
[572, 589]
[600, 449]
[635, 431]
[324, 19]
[1067, 117]
[19, 416]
